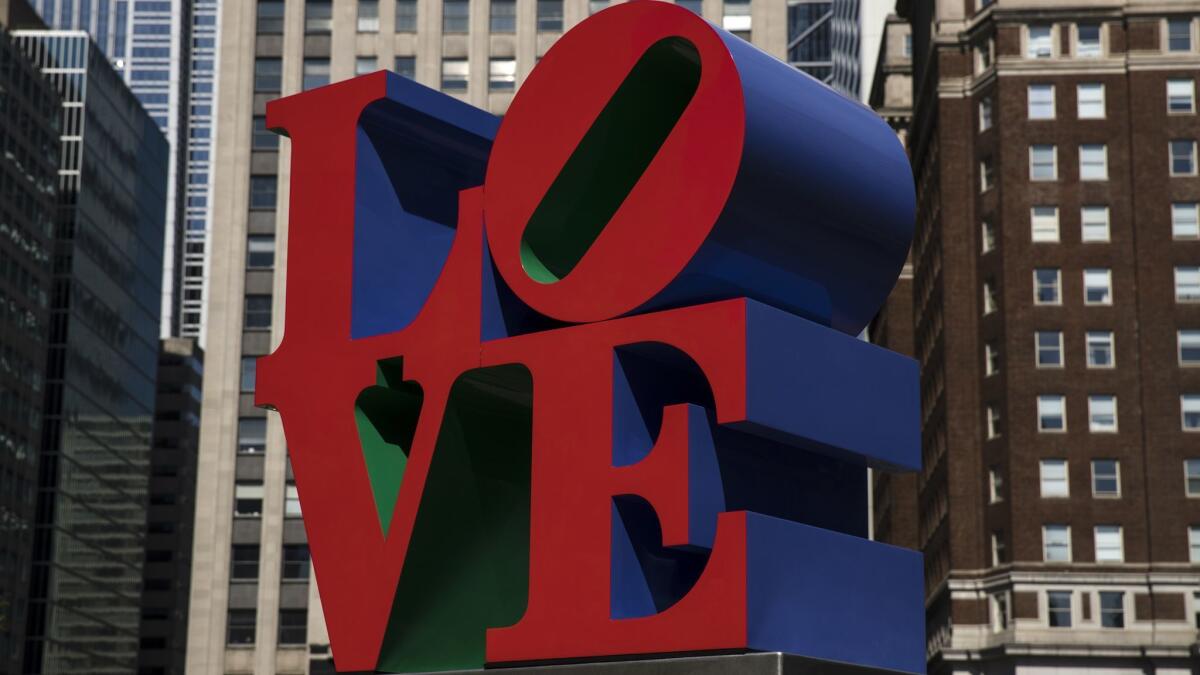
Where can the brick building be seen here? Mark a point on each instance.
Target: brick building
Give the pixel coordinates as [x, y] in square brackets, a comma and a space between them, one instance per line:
[1056, 316]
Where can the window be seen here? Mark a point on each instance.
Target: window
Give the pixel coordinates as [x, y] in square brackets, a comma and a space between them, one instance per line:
[454, 74]
[270, 17]
[1102, 413]
[1183, 157]
[1053, 474]
[1041, 101]
[364, 65]
[990, 301]
[1043, 162]
[406, 66]
[456, 16]
[260, 251]
[693, 6]
[999, 549]
[247, 499]
[1058, 604]
[1185, 220]
[1097, 286]
[1191, 475]
[596, 5]
[262, 192]
[293, 626]
[1109, 545]
[1181, 96]
[1087, 45]
[502, 74]
[1046, 285]
[258, 312]
[983, 55]
[1187, 284]
[291, 501]
[1040, 44]
[549, 15]
[1093, 161]
[262, 138]
[406, 16]
[1056, 543]
[243, 562]
[1049, 346]
[991, 359]
[987, 175]
[240, 627]
[1194, 543]
[985, 114]
[252, 434]
[1179, 34]
[1106, 478]
[368, 16]
[316, 73]
[318, 17]
[1112, 609]
[1090, 101]
[268, 75]
[736, 18]
[1052, 413]
[249, 373]
[995, 486]
[1094, 223]
[1190, 404]
[988, 236]
[999, 611]
[906, 50]
[993, 422]
[295, 561]
[1044, 223]
[503, 16]
[1189, 347]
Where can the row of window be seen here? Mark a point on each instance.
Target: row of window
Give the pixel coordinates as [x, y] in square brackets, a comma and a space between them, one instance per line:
[248, 500]
[1097, 287]
[1108, 542]
[1106, 479]
[1089, 101]
[1093, 223]
[456, 72]
[1102, 414]
[1087, 40]
[502, 15]
[243, 562]
[1048, 348]
[1093, 162]
[293, 627]
[1060, 611]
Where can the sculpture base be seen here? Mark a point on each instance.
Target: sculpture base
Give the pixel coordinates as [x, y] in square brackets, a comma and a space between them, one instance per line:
[731, 664]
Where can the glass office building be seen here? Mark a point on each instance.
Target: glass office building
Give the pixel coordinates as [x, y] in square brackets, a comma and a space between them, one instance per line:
[89, 529]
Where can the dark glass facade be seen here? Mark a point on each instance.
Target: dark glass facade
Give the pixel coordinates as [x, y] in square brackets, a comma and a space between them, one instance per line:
[29, 113]
[93, 477]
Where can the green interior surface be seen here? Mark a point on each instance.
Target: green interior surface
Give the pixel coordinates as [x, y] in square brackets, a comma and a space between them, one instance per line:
[468, 561]
[386, 415]
[610, 159]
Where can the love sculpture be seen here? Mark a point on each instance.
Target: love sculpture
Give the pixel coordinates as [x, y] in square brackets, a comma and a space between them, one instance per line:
[584, 383]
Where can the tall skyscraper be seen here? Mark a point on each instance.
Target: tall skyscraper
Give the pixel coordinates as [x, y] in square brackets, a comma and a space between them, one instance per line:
[171, 509]
[29, 119]
[165, 51]
[253, 607]
[88, 541]
[1054, 299]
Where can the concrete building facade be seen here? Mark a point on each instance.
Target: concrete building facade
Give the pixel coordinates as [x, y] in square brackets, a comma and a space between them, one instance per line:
[254, 607]
[1055, 320]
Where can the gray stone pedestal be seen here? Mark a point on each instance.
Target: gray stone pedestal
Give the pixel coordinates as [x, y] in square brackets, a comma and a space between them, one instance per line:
[733, 664]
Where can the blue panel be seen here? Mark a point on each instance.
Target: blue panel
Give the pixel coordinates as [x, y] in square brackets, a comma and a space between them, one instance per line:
[830, 392]
[832, 596]
[416, 150]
